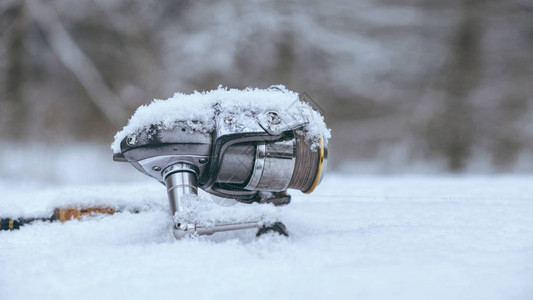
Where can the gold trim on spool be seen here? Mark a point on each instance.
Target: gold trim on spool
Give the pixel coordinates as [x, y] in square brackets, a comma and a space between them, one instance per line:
[320, 165]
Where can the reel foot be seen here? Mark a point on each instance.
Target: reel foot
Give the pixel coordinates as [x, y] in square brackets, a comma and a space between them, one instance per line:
[277, 227]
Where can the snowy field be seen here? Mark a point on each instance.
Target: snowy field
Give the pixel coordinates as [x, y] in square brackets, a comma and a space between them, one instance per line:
[354, 238]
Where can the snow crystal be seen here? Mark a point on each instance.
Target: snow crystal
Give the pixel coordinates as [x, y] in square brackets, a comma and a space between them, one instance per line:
[40, 203]
[202, 211]
[201, 107]
[354, 238]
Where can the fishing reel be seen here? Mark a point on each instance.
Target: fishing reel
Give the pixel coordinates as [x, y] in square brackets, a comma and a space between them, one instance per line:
[250, 156]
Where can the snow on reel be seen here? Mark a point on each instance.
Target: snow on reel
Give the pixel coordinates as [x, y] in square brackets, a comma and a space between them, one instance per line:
[249, 145]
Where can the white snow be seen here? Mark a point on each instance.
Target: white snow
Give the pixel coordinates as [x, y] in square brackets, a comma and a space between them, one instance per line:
[200, 108]
[354, 238]
[202, 210]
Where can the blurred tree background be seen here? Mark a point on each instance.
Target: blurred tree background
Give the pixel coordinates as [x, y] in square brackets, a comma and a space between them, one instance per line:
[404, 84]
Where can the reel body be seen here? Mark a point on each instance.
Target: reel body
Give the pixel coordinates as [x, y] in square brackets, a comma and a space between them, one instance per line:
[250, 157]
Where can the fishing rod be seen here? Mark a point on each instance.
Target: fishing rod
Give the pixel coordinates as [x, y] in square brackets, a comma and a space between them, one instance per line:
[60, 214]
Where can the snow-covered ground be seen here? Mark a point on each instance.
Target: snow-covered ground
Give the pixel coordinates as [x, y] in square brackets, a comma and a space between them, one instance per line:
[395, 237]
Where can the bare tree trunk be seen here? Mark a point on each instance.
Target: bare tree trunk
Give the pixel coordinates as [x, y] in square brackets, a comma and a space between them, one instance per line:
[455, 128]
[284, 68]
[15, 112]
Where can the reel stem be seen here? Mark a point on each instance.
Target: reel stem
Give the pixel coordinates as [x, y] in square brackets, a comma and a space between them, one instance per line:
[180, 179]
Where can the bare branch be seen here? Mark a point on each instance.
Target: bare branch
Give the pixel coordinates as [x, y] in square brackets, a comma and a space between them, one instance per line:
[71, 55]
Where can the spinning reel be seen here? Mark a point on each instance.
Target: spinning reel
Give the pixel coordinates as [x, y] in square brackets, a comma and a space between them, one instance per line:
[252, 157]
